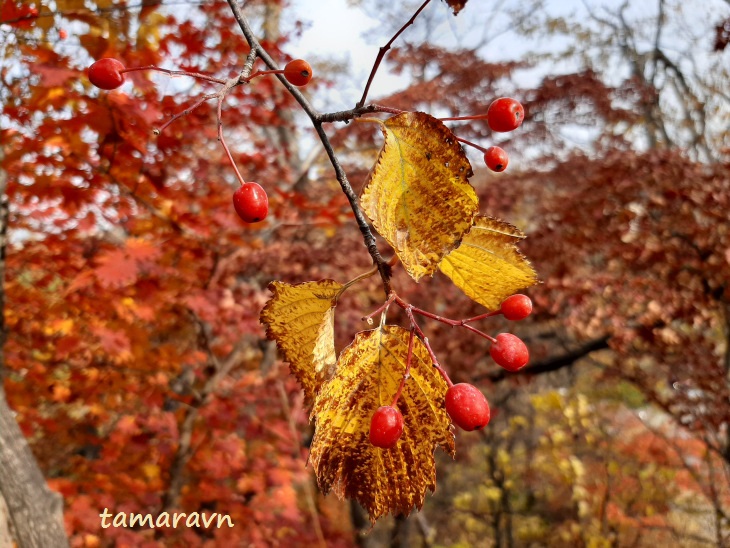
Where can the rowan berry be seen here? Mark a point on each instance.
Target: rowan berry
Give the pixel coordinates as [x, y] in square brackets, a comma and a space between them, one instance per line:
[467, 407]
[517, 307]
[106, 73]
[505, 114]
[510, 352]
[251, 202]
[386, 427]
[496, 159]
[298, 72]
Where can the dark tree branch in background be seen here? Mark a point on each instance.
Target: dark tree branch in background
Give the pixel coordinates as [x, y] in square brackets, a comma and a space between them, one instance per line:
[657, 40]
[551, 364]
[221, 369]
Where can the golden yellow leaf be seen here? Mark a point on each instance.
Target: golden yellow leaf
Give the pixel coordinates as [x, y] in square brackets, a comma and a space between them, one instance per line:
[368, 374]
[151, 470]
[59, 327]
[487, 266]
[418, 196]
[301, 320]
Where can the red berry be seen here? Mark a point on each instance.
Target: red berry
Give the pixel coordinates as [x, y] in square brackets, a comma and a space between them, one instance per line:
[496, 159]
[298, 72]
[510, 352]
[251, 202]
[505, 114]
[517, 307]
[467, 407]
[386, 427]
[62, 34]
[105, 73]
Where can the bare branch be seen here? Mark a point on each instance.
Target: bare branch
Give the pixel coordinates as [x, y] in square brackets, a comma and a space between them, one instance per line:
[317, 120]
[384, 50]
[551, 364]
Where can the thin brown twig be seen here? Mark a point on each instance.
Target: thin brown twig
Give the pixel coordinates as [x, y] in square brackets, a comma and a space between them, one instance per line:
[317, 121]
[223, 140]
[184, 112]
[407, 373]
[196, 75]
[434, 360]
[383, 50]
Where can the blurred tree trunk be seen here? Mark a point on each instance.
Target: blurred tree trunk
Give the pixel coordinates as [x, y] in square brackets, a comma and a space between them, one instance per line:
[35, 512]
[5, 538]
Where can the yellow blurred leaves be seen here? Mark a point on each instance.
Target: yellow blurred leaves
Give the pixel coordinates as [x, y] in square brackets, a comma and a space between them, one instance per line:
[367, 376]
[418, 196]
[301, 320]
[487, 266]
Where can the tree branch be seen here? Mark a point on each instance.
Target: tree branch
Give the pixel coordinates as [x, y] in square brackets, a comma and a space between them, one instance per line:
[317, 120]
[551, 364]
[185, 449]
[384, 50]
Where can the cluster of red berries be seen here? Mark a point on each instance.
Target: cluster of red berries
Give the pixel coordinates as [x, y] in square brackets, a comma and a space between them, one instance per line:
[466, 405]
[249, 200]
[503, 115]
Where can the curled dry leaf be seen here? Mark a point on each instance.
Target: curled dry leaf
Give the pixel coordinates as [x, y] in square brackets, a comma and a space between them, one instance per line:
[301, 319]
[418, 196]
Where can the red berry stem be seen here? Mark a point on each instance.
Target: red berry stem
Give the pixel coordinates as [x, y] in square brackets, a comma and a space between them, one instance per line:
[410, 309]
[414, 326]
[458, 118]
[382, 307]
[480, 333]
[185, 112]
[223, 141]
[481, 316]
[479, 148]
[169, 72]
[407, 372]
[261, 73]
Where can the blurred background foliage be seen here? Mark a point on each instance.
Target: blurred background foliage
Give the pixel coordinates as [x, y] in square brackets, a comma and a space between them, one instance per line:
[134, 360]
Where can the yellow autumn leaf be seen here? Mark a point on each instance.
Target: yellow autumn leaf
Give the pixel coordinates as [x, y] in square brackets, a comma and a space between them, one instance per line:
[487, 266]
[59, 327]
[418, 196]
[301, 320]
[368, 374]
[148, 33]
[151, 470]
